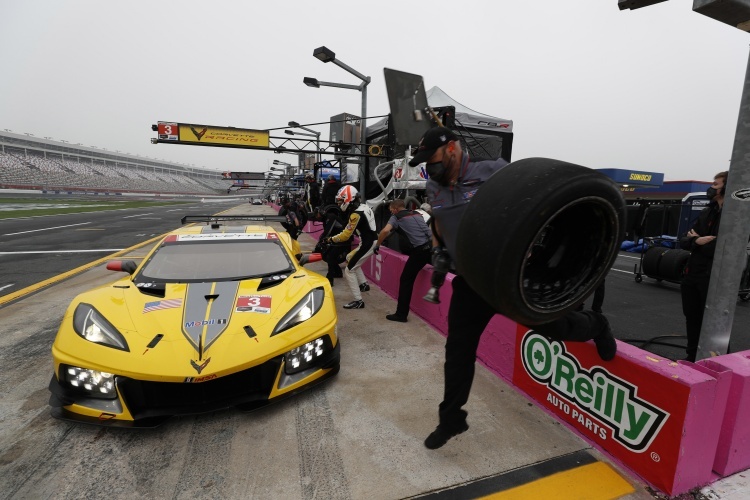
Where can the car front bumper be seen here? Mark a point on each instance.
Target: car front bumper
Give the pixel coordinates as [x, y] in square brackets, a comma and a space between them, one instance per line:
[148, 404]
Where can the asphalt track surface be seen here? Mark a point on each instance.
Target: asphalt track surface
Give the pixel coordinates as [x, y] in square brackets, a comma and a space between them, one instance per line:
[357, 436]
[639, 312]
[34, 249]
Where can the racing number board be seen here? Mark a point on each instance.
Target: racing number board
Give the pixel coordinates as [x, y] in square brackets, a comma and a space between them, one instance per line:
[207, 135]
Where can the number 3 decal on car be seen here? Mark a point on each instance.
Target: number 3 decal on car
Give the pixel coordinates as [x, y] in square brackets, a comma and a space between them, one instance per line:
[254, 303]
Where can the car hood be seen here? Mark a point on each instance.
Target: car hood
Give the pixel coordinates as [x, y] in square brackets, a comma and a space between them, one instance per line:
[229, 324]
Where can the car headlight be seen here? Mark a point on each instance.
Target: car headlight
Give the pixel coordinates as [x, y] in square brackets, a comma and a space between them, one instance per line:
[303, 357]
[91, 383]
[92, 326]
[304, 310]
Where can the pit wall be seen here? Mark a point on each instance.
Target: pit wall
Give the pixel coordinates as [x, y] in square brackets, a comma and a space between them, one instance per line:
[677, 425]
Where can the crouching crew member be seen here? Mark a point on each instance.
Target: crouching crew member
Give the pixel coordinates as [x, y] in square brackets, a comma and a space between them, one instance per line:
[362, 222]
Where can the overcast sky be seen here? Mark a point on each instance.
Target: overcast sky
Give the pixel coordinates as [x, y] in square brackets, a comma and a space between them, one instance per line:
[655, 89]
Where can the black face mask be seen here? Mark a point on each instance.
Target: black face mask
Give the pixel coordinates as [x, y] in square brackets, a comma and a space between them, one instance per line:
[436, 171]
[711, 192]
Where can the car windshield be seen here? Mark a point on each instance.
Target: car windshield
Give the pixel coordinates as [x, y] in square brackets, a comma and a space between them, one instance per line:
[216, 261]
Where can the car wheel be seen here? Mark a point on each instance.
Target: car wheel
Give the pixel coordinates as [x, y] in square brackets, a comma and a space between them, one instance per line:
[652, 261]
[334, 210]
[539, 237]
[672, 265]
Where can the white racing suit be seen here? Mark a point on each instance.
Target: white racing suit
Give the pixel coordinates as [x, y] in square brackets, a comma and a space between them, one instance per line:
[361, 221]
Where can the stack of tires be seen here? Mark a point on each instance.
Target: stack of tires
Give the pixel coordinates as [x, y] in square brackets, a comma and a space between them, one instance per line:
[663, 263]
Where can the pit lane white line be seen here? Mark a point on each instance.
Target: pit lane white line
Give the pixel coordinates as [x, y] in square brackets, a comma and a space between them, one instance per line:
[139, 215]
[47, 229]
[63, 251]
[621, 271]
[6, 286]
[630, 257]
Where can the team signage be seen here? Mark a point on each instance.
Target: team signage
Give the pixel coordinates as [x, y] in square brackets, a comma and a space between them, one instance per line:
[326, 171]
[205, 134]
[632, 421]
[247, 176]
[614, 404]
[633, 177]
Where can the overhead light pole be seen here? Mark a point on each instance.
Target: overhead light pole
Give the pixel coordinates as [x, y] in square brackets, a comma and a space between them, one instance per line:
[288, 166]
[294, 124]
[317, 141]
[326, 55]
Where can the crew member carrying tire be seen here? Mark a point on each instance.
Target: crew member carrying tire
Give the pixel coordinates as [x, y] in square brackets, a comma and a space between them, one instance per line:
[362, 222]
[454, 182]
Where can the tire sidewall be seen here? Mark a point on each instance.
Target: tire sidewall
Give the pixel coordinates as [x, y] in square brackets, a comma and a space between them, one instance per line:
[504, 218]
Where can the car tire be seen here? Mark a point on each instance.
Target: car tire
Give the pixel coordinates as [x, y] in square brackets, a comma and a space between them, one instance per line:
[672, 265]
[539, 237]
[652, 261]
[334, 210]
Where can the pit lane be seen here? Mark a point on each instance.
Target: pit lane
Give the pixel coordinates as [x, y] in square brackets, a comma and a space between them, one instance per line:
[357, 436]
[34, 249]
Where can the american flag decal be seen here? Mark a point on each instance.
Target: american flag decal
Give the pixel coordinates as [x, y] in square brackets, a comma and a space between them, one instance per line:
[161, 304]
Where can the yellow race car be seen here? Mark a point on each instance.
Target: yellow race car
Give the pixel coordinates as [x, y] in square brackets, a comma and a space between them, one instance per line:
[217, 315]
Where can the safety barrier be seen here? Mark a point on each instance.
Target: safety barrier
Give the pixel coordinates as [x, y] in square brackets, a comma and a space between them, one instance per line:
[733, 453]
[677, 425]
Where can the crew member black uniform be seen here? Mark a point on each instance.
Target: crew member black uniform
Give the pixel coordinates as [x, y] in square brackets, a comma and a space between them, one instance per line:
[453, 180]
[330, 190]
[596, 304]
[312, 193]
[294, 217]
[701, 241]
[361, 221]
[415, 229]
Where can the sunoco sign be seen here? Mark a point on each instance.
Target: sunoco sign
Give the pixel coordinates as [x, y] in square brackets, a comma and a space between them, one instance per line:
[598, 401]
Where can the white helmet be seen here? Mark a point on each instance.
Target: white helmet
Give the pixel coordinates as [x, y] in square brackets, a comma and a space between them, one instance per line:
[345, 196]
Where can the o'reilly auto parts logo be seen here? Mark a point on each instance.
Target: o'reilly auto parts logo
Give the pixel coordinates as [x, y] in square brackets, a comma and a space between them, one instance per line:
[633, 421]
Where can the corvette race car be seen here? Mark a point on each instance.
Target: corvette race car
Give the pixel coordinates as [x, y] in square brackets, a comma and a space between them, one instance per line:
[216, 316]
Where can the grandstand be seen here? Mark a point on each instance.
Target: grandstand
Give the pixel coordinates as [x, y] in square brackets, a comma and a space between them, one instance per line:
[47, 165]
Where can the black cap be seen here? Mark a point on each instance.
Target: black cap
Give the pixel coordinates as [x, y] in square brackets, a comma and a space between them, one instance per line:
[430, 142]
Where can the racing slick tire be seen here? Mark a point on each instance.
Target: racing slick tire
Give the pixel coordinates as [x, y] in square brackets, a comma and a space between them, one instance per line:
[334, 210]
[672, 265]
[539, 237]
[652, 261]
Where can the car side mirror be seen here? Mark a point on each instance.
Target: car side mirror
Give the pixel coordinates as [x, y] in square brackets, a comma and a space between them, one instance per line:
[126, 266]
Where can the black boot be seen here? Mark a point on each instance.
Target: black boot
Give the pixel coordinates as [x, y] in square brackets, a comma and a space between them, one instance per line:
[605, 342]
